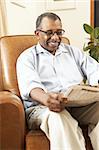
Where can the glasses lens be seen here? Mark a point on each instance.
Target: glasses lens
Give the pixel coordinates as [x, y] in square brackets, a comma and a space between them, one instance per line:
[60, 32]
[49, 33]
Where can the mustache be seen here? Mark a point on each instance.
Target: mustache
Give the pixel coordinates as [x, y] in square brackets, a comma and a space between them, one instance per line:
[57, 41]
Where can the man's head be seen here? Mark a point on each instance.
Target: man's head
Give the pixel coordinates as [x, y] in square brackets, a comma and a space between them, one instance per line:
[49, 31]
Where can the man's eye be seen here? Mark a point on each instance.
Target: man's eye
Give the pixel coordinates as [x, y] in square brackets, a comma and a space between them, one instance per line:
[49, 32]
[59, 33]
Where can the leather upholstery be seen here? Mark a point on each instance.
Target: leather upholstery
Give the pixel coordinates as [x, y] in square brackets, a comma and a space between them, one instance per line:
[12, 122]
[13, 133]
[37, 140]
[11, 47]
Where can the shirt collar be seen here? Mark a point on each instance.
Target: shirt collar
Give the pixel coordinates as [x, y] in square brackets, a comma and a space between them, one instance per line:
[40, 49]
[62, 48]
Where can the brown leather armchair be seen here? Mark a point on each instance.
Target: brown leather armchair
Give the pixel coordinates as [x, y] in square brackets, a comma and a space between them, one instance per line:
[13, 132]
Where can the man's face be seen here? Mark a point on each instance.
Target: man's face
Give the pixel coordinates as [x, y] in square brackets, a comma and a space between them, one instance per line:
[49, 34]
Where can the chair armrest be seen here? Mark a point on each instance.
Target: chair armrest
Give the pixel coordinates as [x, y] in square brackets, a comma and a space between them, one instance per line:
[12, 122]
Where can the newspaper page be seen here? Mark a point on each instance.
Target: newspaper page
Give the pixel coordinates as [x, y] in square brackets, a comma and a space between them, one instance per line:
[81, 95]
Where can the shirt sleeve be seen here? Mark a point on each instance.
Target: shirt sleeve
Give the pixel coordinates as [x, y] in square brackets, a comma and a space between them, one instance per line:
[27, 75]
[88, 65]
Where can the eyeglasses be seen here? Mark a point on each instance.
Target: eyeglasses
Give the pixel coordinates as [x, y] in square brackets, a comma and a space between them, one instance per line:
[50, 33]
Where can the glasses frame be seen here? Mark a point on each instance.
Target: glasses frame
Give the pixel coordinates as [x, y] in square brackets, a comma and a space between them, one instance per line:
[52, 32]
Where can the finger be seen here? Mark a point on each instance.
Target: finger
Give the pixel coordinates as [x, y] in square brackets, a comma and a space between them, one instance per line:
[60, 97]
[55, 109]
[54, 95]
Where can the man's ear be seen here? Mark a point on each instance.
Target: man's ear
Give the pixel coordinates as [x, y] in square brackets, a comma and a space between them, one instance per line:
[36, 32]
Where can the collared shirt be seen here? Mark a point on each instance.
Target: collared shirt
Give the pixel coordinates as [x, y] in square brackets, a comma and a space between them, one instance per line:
[36, 67]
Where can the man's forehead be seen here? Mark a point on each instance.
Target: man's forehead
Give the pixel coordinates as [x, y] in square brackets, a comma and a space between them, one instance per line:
[50, 23]
[47, 19]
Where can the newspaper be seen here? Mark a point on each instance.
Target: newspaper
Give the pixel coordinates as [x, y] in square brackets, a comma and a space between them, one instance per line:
[81, 95]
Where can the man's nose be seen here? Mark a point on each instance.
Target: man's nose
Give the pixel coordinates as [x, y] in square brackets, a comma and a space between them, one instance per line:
[55, 36]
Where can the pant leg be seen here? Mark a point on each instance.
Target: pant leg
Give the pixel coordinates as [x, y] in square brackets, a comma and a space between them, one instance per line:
[94, 136]
[89, 115]
[34, 116]
[61, 129]
[63, 132]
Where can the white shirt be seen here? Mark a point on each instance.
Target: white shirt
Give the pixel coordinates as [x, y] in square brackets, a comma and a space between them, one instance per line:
[36, 67]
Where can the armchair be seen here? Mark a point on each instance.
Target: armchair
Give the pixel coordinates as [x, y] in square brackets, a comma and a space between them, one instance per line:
[14, 134]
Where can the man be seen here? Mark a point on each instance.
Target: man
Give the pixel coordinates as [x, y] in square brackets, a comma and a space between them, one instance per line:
[44, 72]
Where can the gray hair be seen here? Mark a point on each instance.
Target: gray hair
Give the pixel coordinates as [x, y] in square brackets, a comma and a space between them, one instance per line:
[49, 15]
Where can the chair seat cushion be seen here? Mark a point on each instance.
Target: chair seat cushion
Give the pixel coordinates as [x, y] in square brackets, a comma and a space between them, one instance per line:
[37, 140]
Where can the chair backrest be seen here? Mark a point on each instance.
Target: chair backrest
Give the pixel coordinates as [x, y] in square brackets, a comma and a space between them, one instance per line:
[11, 47]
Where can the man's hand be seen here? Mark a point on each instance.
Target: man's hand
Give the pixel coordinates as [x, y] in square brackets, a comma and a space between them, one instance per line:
[55, 102]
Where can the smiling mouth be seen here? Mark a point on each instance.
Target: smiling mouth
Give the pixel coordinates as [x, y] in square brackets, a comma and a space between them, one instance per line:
[53, 44]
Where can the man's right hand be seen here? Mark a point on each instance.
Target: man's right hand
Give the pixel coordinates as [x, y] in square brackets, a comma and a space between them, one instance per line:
[54, 101]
